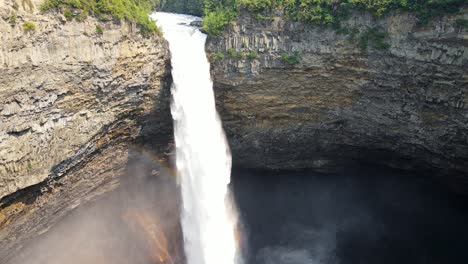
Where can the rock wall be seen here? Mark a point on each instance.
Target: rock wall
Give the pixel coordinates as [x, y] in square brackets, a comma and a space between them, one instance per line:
[405, 106]
[74, 105]
[66, 90]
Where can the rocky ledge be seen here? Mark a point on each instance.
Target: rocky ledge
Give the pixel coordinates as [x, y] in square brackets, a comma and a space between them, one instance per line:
[297, 96]
[73, 100]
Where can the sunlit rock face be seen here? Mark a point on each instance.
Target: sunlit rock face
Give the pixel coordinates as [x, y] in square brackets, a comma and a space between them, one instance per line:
[72, 102]
[405, 106]
[66, 90]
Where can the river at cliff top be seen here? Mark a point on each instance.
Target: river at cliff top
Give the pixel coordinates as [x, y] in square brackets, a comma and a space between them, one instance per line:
[367, 215]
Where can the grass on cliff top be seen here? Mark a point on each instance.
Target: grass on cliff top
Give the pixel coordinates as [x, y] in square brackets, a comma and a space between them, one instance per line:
[134, 11]
[219, 13]
[330, 11]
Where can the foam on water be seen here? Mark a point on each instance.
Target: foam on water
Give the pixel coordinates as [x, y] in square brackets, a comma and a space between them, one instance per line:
[202, 153]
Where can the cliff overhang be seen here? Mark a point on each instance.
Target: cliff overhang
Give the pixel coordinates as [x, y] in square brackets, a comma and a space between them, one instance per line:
[382, 90]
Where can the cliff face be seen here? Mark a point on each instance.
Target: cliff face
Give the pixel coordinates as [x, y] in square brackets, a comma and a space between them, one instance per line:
[405, 106]
[64, 89]
[72, 102]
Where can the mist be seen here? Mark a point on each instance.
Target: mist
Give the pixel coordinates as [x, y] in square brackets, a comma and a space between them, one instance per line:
[366, 215]
[138, 223]
[363, 215]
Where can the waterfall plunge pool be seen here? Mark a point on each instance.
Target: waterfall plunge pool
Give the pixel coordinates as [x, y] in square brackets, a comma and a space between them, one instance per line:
[365, 216]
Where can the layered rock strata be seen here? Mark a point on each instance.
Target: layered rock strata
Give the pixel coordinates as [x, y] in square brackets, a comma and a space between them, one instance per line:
[73, 102]
[315, 97]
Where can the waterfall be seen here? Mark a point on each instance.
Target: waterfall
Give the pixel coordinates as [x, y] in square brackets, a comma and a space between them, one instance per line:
[203, 157]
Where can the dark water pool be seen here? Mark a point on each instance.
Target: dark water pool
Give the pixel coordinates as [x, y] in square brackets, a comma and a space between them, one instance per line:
[370, 216]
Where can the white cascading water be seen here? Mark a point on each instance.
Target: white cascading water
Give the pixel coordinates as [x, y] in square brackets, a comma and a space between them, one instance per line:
[202, 153]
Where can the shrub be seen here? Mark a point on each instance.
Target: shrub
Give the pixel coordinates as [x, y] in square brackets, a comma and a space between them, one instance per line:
[329, 12]
[29, 26]
[134, 11]
[82, 16]
[216, 56]
[313, 11]
[378, 7]
[48, 5]
[215, 21]
[99, 30]
[235, 53]
[191, 7]
[256, 5]
[68, 14]
[12, 19]
[462, 23]
[252, 55]
[332, 12]
[232, 53]
[291, 59]
[15, 6]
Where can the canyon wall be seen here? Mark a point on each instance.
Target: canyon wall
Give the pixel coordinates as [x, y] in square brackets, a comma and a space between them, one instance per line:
[385, 90]
[65, 90]
[73, 102]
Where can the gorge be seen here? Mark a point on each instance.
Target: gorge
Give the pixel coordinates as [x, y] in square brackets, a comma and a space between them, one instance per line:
[350, 145]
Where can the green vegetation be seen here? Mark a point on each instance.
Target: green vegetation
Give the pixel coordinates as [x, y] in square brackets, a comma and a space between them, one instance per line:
[371, 37]
[68, 14]
[29, 26]
[99, 30]
[219, 13]
[258, 5]
[319, 12]
[12, 19]
[291, 59]
[252, 55]
[81, 16]
[192, 7]
[15, 6]
[329, 11]
[216, 56]
[232, 53]
[235, 53]
[462, 23]
[374, 38]
[215, 21]
[260, 16]
[134, 11]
